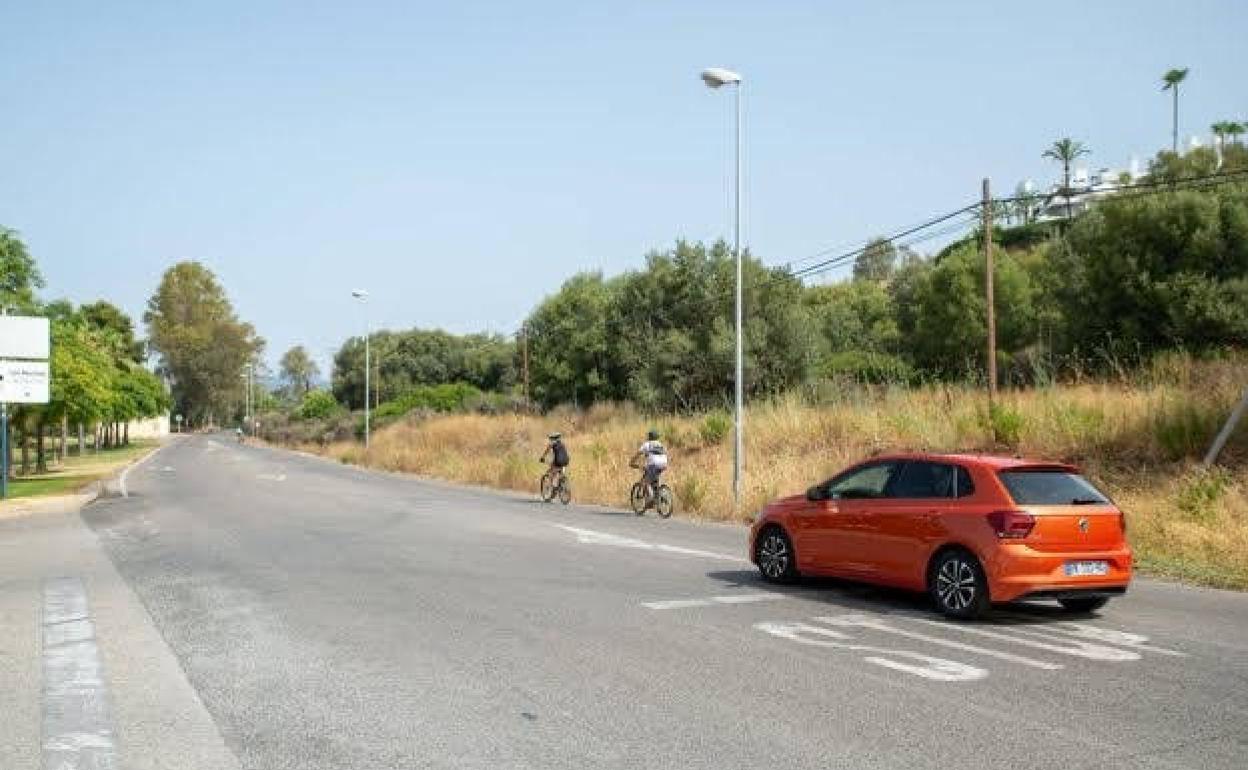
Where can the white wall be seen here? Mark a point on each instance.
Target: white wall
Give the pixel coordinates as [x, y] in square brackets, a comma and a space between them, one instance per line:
[154, 427]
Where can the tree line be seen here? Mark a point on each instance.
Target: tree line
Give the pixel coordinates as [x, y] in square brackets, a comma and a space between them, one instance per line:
[1138, 273]
[98, 381]
[1144, 271]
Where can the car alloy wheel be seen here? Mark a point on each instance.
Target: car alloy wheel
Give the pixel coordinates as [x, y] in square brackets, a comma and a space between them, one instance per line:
[774, 556]
[956, 586]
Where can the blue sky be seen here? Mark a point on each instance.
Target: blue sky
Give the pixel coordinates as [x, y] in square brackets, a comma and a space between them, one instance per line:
[459, 160]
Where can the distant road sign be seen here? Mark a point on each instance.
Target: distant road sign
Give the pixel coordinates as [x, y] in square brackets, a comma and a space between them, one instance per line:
[24, 382]
[23, 337]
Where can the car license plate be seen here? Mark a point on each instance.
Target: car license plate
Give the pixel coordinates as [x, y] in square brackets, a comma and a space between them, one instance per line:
[1081, 568]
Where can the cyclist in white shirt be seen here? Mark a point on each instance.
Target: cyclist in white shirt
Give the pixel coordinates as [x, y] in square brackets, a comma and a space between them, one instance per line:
[654, 456]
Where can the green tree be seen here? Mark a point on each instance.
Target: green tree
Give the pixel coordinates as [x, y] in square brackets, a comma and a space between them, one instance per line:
[949, 328]
[569, 354]
[1162, 271]
[876, 262]
[110, 319]
[317, 405]
[298, 370]
[19, 276]
[1234, 130]
[1066, 151]
[201, 343]
[1170, 82]
[856, 315]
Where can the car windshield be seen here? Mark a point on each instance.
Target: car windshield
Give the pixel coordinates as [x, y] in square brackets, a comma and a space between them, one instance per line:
[1037, 486]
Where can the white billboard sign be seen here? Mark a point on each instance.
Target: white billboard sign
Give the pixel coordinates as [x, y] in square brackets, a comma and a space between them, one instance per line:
[23, 337]
[24, 382]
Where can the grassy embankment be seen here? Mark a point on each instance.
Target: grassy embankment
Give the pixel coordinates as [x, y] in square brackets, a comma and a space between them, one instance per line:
[1140, 441]
[75, 473]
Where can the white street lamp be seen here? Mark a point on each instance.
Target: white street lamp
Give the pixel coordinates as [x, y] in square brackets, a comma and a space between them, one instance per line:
[362, 296]
[246, 375]
[715, 77]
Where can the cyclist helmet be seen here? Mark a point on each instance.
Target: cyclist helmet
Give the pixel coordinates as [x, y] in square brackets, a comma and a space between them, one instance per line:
[652, 435]
[555, 436]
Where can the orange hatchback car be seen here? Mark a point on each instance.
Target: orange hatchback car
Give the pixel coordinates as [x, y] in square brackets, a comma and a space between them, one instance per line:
[969, 529]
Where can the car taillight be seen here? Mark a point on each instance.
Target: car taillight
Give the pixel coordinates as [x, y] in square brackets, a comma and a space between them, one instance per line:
[1011, 525]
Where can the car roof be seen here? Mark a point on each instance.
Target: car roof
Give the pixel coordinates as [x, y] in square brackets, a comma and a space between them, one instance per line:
[995, 462]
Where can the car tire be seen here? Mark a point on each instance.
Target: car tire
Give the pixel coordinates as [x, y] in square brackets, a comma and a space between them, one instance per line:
[958, 585]
[774, 555]
[1083, 604]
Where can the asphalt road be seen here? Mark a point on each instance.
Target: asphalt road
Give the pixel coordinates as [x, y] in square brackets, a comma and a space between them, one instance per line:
[324, 617]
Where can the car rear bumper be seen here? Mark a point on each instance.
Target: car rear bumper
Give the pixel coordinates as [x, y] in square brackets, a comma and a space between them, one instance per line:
[1018, 571]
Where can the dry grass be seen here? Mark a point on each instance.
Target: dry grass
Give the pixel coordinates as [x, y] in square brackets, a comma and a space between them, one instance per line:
[1139, 441]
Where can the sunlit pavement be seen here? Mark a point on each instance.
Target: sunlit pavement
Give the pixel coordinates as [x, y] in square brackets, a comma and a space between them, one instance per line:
[255, 608]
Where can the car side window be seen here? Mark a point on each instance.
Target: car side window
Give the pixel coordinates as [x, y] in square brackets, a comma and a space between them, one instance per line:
[868, 482]
[966, 487]
[925, 480]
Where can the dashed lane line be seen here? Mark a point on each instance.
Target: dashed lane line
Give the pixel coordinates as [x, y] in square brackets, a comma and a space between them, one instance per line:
[711, 601]
[592, 537]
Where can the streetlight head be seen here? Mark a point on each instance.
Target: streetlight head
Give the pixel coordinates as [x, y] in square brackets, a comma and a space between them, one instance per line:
[359, 293]
[715, 77]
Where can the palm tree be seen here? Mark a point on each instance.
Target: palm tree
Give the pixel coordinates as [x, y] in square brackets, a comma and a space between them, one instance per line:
[1170, 81]
[1065, 151]
[1220, 131]
[1234, 129]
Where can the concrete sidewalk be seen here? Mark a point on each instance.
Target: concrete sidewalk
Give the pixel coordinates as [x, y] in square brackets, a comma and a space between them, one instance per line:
[140, 711]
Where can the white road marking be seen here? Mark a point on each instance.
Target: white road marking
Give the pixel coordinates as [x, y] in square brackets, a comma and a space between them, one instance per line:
[711, 601]
[865, 621]
[928, 667]
[77, 729]
[272, 476]
[1079, 649]
[167, 469]
[121, 482]
[1106, 635]
[592, 537]
[677, 604]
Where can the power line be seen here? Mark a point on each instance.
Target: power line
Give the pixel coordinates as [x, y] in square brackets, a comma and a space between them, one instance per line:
[1138, 188]
[840, 259]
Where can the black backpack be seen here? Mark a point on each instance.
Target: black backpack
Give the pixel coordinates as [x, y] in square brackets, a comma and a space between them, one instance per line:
[561, 453]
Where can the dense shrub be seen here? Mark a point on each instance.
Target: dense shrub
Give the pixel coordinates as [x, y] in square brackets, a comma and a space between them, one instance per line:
[317, 405]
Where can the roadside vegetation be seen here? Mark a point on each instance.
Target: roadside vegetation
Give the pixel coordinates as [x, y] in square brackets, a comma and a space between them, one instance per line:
[1121, 339]
[1140, 438]
[98, 381]
[79, 470]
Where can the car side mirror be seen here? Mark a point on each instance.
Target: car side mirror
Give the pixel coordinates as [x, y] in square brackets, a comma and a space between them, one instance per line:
[816, 493]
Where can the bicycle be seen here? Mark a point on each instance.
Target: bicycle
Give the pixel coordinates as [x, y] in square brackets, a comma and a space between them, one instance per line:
[559, 487]
[645, 495]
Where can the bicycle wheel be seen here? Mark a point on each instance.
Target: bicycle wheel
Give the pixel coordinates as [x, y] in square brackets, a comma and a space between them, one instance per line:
[548, 488]
[665, 501]
[565, 491]
[637, 498]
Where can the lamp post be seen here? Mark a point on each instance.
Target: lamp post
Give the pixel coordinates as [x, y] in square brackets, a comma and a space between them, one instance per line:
[246, 375]
[362, 296]
[717, 78]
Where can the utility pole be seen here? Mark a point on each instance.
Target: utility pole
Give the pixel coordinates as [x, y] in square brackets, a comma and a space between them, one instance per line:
[988, 291]
[1228, 428]
[524, 343]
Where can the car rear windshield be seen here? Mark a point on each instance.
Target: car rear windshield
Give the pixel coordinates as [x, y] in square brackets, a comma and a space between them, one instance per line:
[1047, 486]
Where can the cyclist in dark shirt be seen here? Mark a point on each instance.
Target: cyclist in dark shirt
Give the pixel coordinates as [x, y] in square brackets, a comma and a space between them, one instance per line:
[559, 458]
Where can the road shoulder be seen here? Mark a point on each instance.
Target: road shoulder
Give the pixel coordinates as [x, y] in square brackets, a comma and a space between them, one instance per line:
[157, 718]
